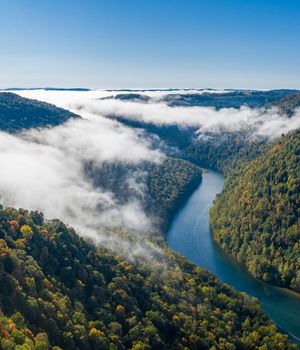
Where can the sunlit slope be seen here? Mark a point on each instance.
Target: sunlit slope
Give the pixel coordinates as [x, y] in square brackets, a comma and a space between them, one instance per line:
[70, 294]
[256, 218]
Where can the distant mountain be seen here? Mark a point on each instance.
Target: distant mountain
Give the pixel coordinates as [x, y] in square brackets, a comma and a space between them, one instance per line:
[18, 113]
[231, 99]
[46, 89]
[208, 97]
[131, 97]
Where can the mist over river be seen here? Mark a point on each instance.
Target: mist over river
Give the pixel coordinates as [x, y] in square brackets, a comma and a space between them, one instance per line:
[190, 236]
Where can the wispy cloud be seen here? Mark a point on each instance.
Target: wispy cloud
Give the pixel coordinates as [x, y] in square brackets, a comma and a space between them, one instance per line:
[45, 170]
[261, 122]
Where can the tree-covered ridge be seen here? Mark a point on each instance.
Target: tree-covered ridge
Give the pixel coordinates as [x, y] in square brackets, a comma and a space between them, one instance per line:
[169, 185]
[257, 216]
[288, 104]
[82, 297]
[226, 99]
[17, 113]
[229, 99]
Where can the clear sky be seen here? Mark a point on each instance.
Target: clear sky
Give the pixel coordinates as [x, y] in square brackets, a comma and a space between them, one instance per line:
[150, 43]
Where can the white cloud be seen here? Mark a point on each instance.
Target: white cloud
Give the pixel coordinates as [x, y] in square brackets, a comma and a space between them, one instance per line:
[89, 104]
[44, 170]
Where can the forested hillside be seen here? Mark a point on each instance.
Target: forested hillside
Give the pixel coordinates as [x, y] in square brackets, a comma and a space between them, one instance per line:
[17, 113]
[257, 217]
[57, 290]
[288, 104]
[169, 185]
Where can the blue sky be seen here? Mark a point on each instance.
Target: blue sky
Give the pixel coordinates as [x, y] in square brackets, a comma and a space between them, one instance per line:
[150, 43]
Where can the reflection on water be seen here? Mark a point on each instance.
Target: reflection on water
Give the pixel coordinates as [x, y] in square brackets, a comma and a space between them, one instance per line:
[190, 235]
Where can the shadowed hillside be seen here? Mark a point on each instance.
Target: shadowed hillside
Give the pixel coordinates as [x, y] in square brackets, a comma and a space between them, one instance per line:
[17, 113]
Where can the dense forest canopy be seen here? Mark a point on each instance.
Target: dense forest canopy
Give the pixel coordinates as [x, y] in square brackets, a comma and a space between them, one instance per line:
[256, 218]
[57, 290]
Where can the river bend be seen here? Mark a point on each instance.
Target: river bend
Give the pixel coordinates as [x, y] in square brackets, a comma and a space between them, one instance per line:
[190, 235]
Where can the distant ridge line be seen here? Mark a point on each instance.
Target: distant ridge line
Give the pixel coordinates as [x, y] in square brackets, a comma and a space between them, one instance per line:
[46, 88]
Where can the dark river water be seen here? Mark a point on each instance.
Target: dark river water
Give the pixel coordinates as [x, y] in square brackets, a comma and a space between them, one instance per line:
[190, 236]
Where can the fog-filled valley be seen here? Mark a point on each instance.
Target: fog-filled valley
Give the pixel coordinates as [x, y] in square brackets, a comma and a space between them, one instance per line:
[111, 161]
[116, 166]
[108, 166]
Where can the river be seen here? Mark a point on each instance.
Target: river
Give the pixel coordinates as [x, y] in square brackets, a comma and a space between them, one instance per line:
[190, 235]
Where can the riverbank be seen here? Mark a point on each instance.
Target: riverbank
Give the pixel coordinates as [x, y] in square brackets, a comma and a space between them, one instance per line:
[190, 235]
